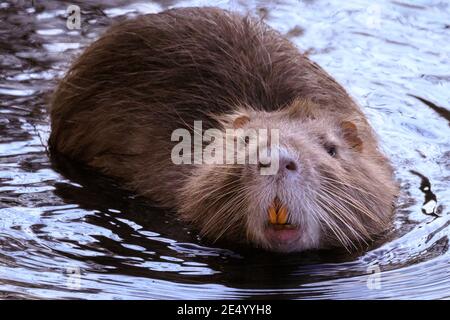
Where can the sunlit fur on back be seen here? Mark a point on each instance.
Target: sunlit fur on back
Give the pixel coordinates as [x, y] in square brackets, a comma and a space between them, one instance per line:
[120, 101]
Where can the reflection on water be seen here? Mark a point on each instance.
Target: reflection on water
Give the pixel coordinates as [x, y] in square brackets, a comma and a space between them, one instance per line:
[68, 233]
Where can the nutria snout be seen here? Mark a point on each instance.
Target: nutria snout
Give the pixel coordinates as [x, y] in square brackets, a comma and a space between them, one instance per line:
[121, 102]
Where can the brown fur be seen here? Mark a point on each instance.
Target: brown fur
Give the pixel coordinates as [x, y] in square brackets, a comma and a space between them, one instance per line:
[120, 101]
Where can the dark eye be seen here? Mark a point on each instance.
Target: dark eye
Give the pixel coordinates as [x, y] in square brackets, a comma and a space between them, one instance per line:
[331, 150]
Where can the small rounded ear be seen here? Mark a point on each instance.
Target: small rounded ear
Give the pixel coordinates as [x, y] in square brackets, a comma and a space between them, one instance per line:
[350, 133]
[234, 120]
[240, 121]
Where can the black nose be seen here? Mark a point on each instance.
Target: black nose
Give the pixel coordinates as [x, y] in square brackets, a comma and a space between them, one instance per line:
[286, 163]
[291, 165]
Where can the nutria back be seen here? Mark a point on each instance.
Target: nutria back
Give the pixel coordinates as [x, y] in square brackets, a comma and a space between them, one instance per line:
[117, 106]
[190, 61]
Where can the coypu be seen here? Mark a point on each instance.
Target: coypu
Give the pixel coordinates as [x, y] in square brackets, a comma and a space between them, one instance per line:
[122, 99]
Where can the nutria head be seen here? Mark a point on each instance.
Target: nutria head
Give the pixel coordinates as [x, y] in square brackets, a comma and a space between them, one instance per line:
[332, 187]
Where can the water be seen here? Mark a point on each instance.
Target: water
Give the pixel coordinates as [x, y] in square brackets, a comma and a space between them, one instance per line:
[68, 233]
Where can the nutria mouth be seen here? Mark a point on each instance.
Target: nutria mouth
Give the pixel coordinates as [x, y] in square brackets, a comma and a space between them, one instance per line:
[279, 229]
[278, 213]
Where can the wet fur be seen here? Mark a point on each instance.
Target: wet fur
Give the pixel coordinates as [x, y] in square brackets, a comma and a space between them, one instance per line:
[117, 106]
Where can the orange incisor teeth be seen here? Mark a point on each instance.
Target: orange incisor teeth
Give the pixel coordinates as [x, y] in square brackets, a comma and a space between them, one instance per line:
[272, 215]
[282, 215]
[279, 217]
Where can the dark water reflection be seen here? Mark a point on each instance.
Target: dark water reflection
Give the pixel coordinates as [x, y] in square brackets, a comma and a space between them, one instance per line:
[68, 233]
